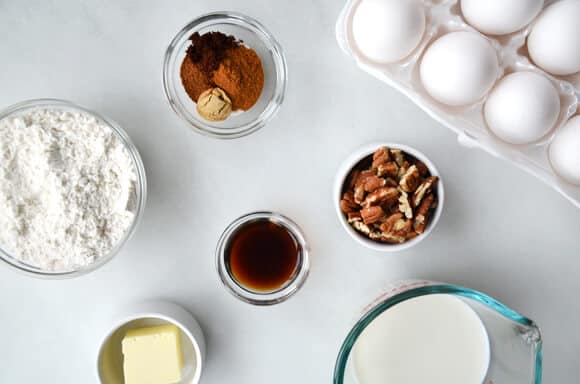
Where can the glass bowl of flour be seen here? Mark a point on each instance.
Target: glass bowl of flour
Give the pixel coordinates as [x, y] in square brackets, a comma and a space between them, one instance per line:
[72, 188]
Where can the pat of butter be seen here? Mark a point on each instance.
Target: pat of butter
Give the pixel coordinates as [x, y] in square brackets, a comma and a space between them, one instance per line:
[152, 355]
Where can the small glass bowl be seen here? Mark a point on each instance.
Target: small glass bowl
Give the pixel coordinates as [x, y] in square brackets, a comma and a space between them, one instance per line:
[289, 288]
[140, 188]
[255, 36]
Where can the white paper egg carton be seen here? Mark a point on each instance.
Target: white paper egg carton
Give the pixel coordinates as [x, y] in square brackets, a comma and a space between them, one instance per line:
[445, 16]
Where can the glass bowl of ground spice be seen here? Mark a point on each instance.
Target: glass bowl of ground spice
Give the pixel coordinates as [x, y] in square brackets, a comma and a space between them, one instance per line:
[225, 74]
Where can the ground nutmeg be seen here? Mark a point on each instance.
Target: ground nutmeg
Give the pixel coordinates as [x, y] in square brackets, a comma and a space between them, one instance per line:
[217, 60]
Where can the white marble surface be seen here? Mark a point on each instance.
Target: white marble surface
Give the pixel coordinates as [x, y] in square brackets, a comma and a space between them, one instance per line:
[502, 231]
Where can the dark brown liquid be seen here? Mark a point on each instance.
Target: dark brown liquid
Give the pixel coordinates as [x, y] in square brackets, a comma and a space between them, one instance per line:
[262, 256]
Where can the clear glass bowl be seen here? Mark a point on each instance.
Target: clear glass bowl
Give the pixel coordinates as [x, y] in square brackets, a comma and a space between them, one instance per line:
[293, 284]
[255, 36]
[140, 190]
[515, 341]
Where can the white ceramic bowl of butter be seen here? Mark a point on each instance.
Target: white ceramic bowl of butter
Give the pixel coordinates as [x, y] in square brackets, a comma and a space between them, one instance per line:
[150, 314]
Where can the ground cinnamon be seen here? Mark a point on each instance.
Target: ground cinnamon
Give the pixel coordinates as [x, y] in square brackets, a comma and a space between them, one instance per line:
[218, 60]
[241, 76]
[193, 79]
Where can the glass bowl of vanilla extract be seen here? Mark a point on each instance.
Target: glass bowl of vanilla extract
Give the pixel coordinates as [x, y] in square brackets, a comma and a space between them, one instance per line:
[262, 258]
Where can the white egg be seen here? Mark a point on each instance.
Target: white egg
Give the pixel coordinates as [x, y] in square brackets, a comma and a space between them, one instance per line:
[554, 42]
[459, 68]
[388, 30]
[522, 108]
[500, 17]
[565, 151]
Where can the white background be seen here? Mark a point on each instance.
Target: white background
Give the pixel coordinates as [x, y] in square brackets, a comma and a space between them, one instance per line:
[502, 231]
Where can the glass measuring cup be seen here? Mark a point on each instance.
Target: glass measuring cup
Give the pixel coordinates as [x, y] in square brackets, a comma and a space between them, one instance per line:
[515, 341]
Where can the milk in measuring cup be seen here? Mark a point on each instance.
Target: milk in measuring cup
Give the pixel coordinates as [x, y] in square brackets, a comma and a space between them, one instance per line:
[431, 339]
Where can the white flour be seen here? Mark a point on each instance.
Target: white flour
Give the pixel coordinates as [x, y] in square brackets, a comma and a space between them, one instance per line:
[67, 188]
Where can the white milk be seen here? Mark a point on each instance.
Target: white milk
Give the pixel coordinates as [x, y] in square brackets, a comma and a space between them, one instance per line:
[432, 339]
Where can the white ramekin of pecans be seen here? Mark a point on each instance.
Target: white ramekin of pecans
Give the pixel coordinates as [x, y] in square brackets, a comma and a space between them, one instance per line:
[388, 196]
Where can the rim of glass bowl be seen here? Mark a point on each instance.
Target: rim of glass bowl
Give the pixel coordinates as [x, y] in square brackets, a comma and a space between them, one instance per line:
[141, 190]
[263, 298]
[370, 315]
[267, 39]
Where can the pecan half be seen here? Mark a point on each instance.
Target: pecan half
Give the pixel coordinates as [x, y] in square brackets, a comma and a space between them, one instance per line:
[347, 204]
[372, 214]
[424, 188]
[395, 229]
[411, 179]
[391, 238]
[363, 176]
[389, 223]
[384, 195]
[420, 223]
[381, 156]
[422, 213]
[390, 169]
[359, 193]
[405, 205]
[359, 185]
[373, 183]
[403, 169]
[423, 170]
[398, 156]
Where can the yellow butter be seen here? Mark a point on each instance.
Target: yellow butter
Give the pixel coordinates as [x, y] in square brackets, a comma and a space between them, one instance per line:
[152, 355]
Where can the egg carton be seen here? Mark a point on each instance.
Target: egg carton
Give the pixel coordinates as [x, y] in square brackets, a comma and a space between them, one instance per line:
[468, 122]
